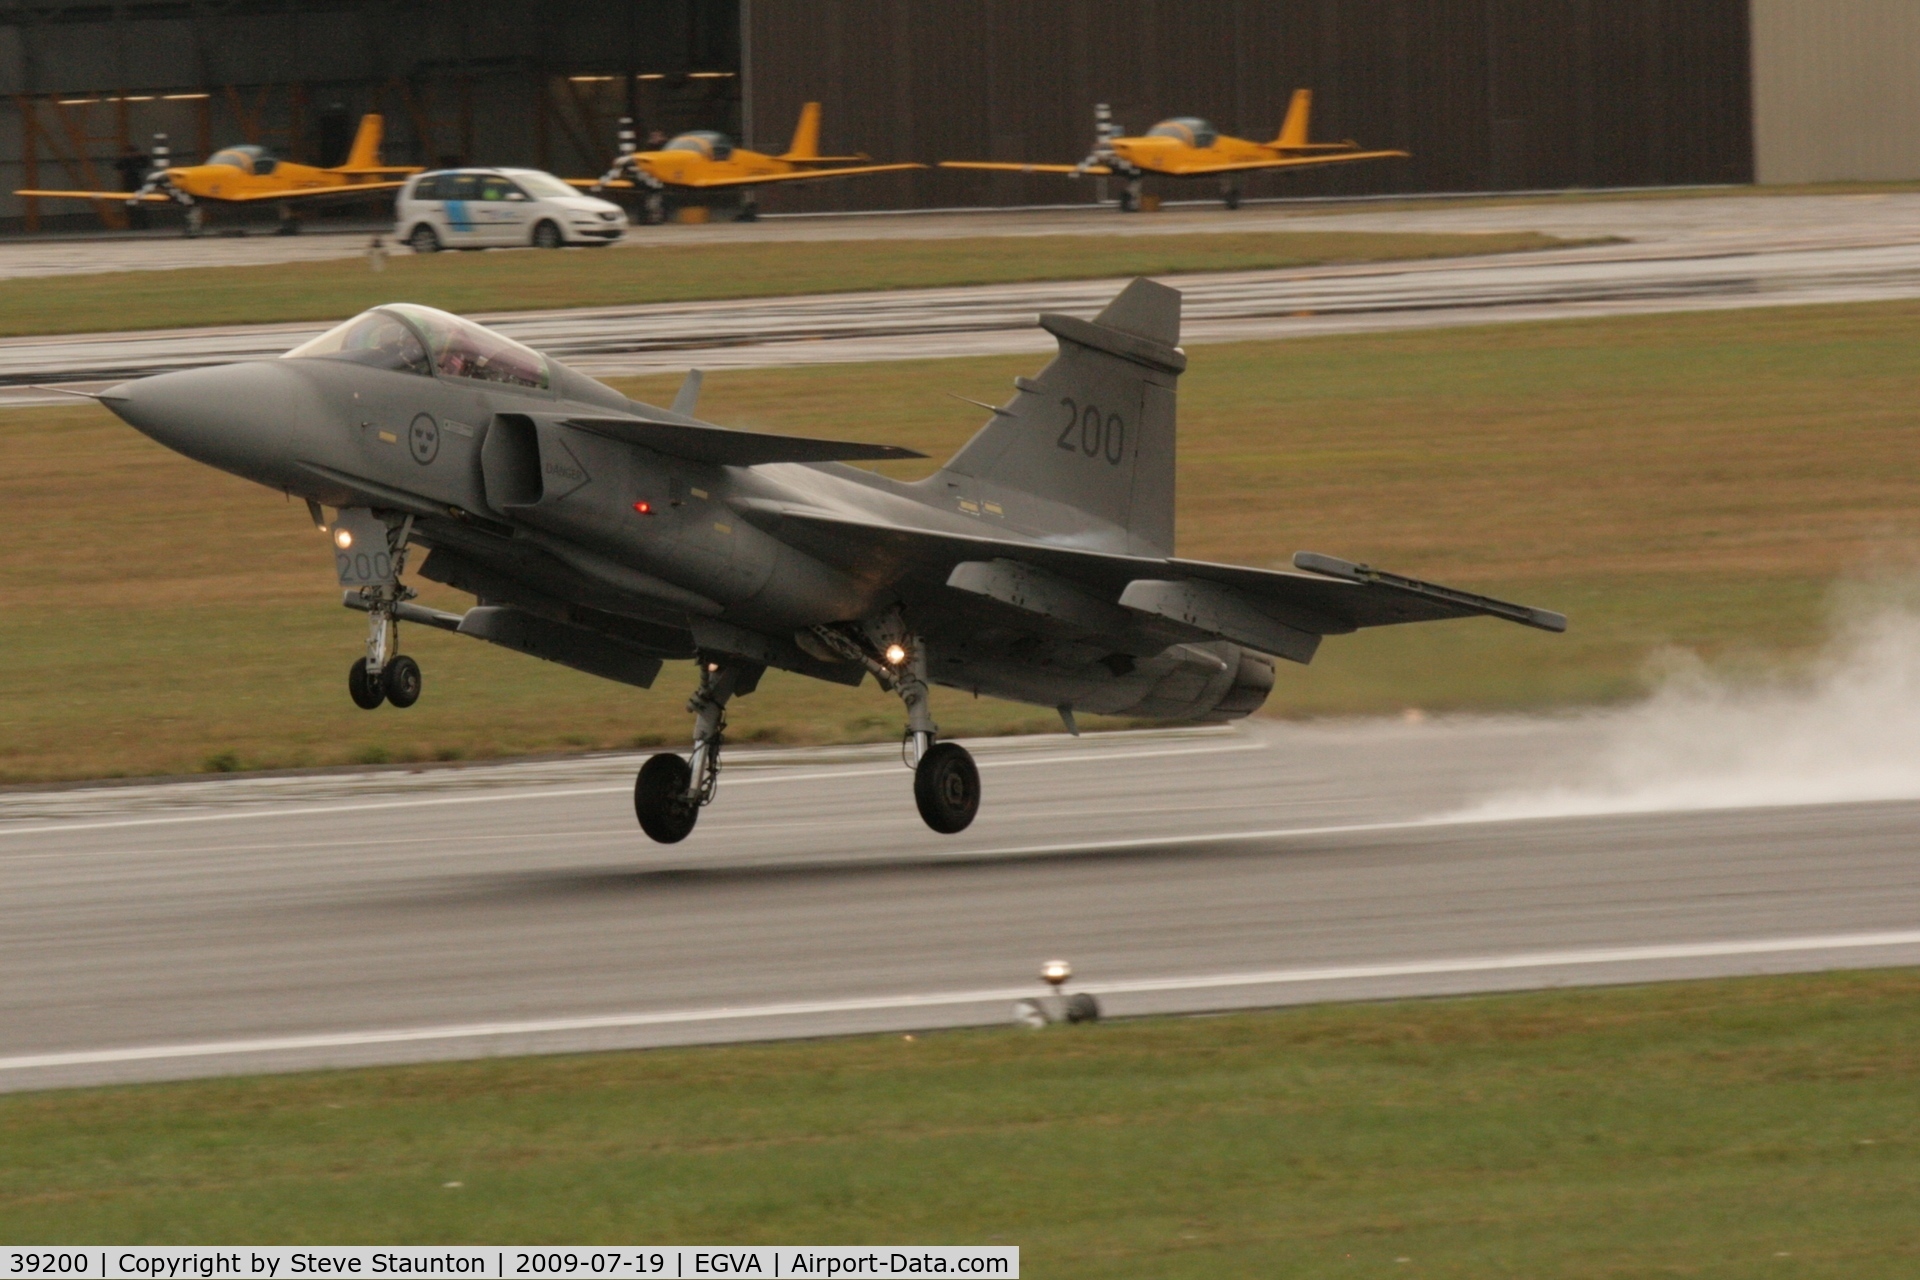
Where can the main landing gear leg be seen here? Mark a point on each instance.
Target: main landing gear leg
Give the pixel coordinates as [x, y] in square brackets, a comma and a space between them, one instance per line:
[946, 785]
[670, 792]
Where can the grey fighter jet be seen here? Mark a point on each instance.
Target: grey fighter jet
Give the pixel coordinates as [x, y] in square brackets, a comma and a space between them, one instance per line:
[610, 535]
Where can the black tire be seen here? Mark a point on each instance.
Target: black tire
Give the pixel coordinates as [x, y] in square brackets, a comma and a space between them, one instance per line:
[423, 239]
[1126, 202]
[1082, 1007]
[946, 786]
[1231, 199]
[401, 680]
[366, 692]
[547, 235]
[660, 798]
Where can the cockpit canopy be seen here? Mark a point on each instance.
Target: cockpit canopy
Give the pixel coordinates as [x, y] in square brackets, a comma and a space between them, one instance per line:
[714, 146]
[406, 338]
[247, 159]
[1191, 130]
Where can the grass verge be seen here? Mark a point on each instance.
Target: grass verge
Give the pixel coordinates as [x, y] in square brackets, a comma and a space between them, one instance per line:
[1688, 480]
[518, 280]
[1752, 1127]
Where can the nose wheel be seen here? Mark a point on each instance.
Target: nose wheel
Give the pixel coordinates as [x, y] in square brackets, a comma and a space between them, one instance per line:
[399, 682]
[366, 690]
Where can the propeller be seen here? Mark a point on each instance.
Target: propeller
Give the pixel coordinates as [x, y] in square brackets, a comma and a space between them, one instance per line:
[1104, 132]
[159, 181]
[623, 165]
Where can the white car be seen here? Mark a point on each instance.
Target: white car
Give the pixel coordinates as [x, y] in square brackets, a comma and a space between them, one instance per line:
[479, 208]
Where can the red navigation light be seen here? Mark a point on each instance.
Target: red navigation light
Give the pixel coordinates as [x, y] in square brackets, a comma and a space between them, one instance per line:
[644, 508]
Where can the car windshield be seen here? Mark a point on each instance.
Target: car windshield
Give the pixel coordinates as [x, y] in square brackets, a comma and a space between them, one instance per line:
[542, 184]
[462, 349]
[374, 339]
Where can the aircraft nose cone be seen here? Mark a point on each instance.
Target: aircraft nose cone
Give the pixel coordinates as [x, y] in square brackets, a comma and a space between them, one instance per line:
[235, 417]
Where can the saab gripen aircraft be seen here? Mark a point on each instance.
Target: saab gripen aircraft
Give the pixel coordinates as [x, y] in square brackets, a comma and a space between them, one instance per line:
[612, 536]
[1189, 147]
[247, 175]
[707, 161]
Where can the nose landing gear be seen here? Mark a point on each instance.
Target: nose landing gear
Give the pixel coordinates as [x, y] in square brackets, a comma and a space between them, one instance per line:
[369, 558]
[378, 678]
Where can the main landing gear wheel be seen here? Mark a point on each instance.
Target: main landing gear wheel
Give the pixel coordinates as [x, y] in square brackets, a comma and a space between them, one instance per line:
[401, 681]
[660, 798]
[367, 692]
[946, 786]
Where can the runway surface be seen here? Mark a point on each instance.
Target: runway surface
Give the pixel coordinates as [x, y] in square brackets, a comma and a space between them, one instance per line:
[230, 925]
[1683, 254]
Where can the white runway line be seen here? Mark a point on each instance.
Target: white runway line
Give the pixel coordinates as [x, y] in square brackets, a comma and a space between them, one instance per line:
[478, 797]
[1272, 977]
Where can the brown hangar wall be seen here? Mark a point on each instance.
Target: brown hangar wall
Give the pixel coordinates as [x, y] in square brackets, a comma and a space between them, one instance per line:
[1486, 94]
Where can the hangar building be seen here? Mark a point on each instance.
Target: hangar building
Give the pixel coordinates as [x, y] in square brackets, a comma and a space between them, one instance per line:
[1487, 94]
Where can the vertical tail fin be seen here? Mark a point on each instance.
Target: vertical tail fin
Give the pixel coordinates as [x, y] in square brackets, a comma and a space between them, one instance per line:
[1293, 130]
[365, 153]
[806, 136]
[1085, 450]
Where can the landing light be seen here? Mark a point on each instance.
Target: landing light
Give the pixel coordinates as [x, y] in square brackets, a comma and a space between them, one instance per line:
[342, 538]
[1055, 972]
[896, 655]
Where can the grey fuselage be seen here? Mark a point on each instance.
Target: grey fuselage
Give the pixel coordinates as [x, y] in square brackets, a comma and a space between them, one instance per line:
[531, 513]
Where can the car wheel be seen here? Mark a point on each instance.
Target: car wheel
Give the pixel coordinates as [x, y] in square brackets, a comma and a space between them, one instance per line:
[547, 236]
[424, 240]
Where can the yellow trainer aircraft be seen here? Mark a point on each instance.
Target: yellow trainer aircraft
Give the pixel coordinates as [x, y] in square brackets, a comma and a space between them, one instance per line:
[245, 175]
[1189, 147]
[703, 161]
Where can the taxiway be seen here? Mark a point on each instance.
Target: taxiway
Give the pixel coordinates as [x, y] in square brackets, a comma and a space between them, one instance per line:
[1676, 254]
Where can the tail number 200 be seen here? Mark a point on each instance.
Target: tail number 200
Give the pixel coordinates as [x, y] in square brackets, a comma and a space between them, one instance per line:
[1092, 433]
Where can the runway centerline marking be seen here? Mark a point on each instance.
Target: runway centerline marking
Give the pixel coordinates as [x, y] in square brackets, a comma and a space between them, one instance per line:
[1588, 956]
[481, 797]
